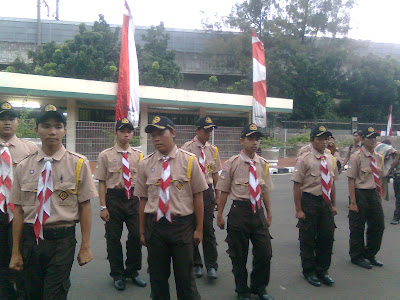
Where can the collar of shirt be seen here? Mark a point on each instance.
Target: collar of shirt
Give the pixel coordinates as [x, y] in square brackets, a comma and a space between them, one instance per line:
[56, 156]
[248, 159]
[316, 153]
[359, 144]
[198, 143]
[172, 154]
[13, 141]
[120, 150]
[366, 152]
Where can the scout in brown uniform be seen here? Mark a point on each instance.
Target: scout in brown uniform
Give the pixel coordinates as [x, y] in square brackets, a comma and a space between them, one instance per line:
[115, 207]
[365, 207]
[315, 200]
[170, 185]
[44, 221]
[356, 146]
[210, 163]
[17, 149]
[246, 180]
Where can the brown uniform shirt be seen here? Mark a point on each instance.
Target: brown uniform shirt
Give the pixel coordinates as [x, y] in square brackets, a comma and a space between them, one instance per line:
[307, 171]
[19, 149]
[307, 148]
[213, 162]
[359, 168]
[353, 149]
[109, 166]
[64, 201]
[186, 180]
[234, 178]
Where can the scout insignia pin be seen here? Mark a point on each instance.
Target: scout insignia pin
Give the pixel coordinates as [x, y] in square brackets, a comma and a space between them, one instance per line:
[322, 128]
[208, 120]
[63, 195]
[125, 120]
[31, 171]
[156, 119]
[253, 127]
[50, 107]
[179, 185]
[6, 105]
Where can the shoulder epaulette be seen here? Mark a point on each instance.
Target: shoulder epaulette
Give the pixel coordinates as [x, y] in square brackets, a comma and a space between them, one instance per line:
[186, 152]
[137, 150]
[148, 156]
[29, 155]
[77, 154]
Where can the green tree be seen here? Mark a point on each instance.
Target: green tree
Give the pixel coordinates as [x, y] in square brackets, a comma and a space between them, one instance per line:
[156, 63]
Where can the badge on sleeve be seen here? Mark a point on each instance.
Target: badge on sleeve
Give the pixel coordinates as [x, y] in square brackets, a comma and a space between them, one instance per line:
[63, 195]
[31, 171]
[223, 175]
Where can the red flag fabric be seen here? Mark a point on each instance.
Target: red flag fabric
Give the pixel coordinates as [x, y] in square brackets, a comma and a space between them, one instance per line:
[127, 105]
[390, 122]
[259, 82]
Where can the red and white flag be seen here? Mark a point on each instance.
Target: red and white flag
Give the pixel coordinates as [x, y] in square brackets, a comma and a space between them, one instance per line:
[259, 83]
[128, 81]
[390, 122]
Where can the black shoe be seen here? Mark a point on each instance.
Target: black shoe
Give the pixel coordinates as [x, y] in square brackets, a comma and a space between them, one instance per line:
[139, 281]
[119, 284]
[362, 263]
[375, 262]
[265, 296]
[312, 279]
[326, 279]
[212, 273]
[198, 271]
[395, 221]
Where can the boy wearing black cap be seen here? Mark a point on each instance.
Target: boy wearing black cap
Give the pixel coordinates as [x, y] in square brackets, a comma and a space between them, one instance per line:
[12, 151]
[315, 201]
[51, 192]
[170, 185]
[116, 171]
[210, 164]
[364, 172]
[245, 178]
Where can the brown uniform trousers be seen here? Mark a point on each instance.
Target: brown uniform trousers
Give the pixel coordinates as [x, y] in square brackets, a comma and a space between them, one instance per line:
[370, 212]
[123, 210]
[171, 240]
[316, 234]
[244, 226]
[47, 265]
[209, 241]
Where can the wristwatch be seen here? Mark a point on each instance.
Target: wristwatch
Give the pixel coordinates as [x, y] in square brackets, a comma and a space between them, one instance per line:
[103, 208]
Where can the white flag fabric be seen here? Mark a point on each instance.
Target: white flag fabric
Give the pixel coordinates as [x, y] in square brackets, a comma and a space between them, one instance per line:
[259, 83]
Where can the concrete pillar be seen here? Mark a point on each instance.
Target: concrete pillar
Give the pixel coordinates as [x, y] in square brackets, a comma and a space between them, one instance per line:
[144, 121]
[72, 118]
[354, 124]
[202, 112]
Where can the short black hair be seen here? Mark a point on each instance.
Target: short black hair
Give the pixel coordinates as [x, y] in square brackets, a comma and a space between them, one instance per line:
[49, 117]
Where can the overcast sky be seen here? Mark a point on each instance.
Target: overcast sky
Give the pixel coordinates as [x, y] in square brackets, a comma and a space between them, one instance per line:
[376, 20]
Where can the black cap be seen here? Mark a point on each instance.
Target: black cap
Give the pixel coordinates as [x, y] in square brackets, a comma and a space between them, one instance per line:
[123, 123]
[251, 129]
[369, 132]
[6, 108]
[205, 123]
[160, 123]
[50, 111]
[320, 130]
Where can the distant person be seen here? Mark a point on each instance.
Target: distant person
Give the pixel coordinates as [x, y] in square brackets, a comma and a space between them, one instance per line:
[335, 152]
[353, 147]
[364, 173]
[210, 165]
[314, 195]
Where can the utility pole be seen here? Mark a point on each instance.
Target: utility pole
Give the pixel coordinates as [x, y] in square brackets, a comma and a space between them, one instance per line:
[39, 27]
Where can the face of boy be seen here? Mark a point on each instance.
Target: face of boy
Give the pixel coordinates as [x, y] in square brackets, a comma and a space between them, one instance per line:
[250, 143]
[204, 134]
[163, 140]
[124, 135]
[51, 132]
[8, 125]
[320, 143]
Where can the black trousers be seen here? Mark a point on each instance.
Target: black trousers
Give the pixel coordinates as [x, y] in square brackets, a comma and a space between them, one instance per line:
[123, 210]
[370, 212]
[244, 226]
[316, 234]
[6, 286]
[396, 188]
[166, 241]
[47, 265]
[209, 241]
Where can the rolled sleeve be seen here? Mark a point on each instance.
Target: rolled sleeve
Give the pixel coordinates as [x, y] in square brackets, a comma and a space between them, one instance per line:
[100, 172]
[140, 185]
[224, 180]
[86, 187]
[15, 195]
[298, 173]
[352, 168]
[217, 167]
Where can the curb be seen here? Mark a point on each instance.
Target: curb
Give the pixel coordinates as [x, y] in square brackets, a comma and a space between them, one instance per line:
[286, 170]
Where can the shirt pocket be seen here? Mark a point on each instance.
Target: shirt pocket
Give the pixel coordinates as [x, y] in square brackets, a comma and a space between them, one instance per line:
[63, 194]
[241, 184]
[153, 185]
[365, 173]
[181, 185]
[28, 193]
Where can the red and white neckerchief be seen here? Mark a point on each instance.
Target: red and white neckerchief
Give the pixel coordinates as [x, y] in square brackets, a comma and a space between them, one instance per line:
[376, 175]
[44, 192]
[254, 186]
[6, 180]
[126, 174]
[325, 180]
[163, 200]
[202, 159]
